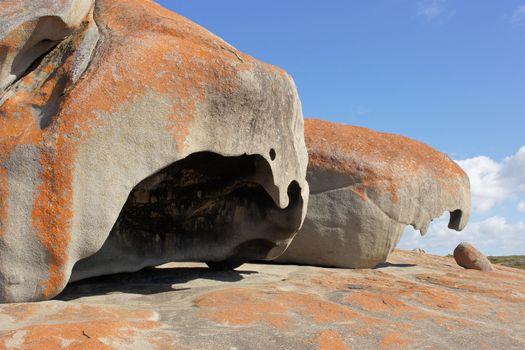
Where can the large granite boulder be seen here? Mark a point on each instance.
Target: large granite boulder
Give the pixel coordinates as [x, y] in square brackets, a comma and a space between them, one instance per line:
[131, 136]
[365, 187]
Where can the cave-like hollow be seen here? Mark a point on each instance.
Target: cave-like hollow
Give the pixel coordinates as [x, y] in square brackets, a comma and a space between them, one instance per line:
[205, 207]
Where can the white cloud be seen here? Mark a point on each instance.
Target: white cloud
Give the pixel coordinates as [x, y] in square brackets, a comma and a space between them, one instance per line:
[492, 236]
[514, 170]
[518, 17]
[432, 9]
[491, 182]
[485, 183]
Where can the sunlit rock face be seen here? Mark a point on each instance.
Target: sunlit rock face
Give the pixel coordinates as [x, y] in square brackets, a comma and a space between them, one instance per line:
[365, 188]
[131, 136]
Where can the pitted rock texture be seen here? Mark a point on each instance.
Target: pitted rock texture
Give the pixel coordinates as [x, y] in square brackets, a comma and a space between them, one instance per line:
[106, 123]
[470, 258]
[416, 301]
[365, 188]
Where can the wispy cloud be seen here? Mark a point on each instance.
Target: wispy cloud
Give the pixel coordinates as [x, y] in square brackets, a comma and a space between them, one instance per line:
[433, 9]
[518, 16]
[493, 236]
[492, 182]
[494, 185]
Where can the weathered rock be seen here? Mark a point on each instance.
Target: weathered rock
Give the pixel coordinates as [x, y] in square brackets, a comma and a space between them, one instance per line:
[417, 301]
[365, 187]
[123, 117]
[31, 28]
[470, 258]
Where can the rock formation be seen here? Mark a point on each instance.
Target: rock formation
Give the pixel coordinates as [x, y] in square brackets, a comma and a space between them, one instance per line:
[365, 187]
[420, 301]
[121, 119]
[470, 258]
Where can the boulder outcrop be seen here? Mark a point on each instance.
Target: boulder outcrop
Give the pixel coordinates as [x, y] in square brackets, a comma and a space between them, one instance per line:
[365, 188]
[470, 258]
[130, 137]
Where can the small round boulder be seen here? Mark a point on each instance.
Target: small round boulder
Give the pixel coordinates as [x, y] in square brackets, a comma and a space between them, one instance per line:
[470, 258]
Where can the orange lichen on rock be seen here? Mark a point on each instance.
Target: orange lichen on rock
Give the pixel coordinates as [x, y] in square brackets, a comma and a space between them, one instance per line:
[80, 335]
[4, 195]
[508, 290]
[80, 327]
[331, 340]
[394, 340]
[321, 311]
[383, 293]
[22, 125]
[430, 297]
[52, 211]
[378, 302]
[380, 161]
[182, 56]
[19, 312]
[243, 307]
[51, 217]
[279, 309]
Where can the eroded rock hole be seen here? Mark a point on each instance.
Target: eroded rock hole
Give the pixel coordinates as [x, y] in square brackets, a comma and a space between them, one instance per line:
[205, 207]
[455, 219]
[272, 154]
[46, 33]
[29, 66]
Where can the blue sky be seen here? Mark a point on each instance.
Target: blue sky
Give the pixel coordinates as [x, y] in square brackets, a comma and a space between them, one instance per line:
[448, 73]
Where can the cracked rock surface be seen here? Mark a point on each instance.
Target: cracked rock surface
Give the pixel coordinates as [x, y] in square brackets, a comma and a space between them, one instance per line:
[365, 188]
[131, 131]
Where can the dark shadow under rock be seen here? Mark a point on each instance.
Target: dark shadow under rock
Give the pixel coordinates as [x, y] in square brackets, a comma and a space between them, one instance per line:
[146, 281]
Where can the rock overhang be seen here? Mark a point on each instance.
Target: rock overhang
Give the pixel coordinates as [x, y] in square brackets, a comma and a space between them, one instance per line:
[366, 187]
[30, 28]
[106, 117]
[145, 90]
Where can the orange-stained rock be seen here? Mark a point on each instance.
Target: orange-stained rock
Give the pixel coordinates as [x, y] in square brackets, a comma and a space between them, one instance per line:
[121, 119]
[470, 258]
[57, 325]
[365, 188]
[330, 340]
[416, 301]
